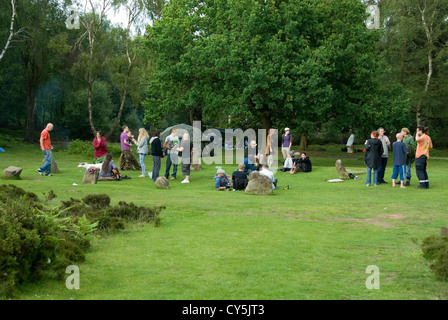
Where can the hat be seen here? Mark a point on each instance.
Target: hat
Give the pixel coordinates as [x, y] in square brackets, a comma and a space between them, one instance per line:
[287, 129]
[253, 143]
[220, 171]
[406, 130]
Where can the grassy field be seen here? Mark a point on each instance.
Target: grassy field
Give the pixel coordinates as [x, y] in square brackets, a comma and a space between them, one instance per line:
[313, 241]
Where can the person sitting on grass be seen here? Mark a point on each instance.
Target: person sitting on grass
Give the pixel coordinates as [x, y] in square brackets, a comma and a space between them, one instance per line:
[301, 165]
[109, 170]
[288, 164]
[239, 178]
[266, 172]
[221, 180]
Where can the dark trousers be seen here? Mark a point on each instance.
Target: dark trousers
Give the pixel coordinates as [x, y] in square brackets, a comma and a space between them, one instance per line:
[420, 168]
[382, 169]
[156, 164]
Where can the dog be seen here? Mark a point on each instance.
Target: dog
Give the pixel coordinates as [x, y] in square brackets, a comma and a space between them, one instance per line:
[90, 165]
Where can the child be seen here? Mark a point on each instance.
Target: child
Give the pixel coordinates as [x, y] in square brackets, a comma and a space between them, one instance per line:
[288, 164]
[400, 152]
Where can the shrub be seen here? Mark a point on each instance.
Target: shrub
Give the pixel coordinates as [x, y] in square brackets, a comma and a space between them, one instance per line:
[80, 147]
[34, 238]
[435, 249]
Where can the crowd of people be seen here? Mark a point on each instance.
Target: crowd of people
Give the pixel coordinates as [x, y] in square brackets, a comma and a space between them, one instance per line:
[406, 150]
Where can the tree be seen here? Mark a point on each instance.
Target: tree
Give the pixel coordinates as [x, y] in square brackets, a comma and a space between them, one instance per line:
[298, 62]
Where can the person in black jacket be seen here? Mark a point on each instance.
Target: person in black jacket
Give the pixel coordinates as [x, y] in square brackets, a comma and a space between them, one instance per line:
[301, 165]
[157, 154]
[372, 159]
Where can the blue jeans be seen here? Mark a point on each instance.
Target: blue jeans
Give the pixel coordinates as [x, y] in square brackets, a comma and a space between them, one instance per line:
[171, 159]
[248, 166]
[369, 176]
[46, 167]
[142, 162]
[408, 169]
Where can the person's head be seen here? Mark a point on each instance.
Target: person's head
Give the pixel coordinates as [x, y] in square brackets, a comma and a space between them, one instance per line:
[157, 133]
[125, 128]
[186, 136]
[174, 132]
[422, 130]
[98, 134]
[49, 127]
[303, 155]
[220, 172]
[374, 134]
[399, 136]
[142, 133]
[271, 131]
[288, 156]
[405, 132]
[286, 130]
[106, 162]
[241, 167]
[253, 144]
[265, 167]
[381, 132]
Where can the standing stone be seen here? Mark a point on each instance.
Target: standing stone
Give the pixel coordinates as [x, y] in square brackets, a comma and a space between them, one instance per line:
[340, 169]
[162, 182]
[258, 184]
[91, 177]
[54, 166]
[195, 157]
[12, 171]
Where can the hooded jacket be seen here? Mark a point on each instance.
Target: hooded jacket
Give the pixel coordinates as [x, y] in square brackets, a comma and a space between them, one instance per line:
[374, 151]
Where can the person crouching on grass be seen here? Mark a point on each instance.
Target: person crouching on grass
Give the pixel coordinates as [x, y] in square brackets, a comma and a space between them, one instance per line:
[400, 152]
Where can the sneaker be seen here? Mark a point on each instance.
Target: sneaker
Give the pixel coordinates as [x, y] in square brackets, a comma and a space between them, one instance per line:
[367, 185]
[39, 172]
[185, 181]
[48, 175]
[150, 175]
[173, 178]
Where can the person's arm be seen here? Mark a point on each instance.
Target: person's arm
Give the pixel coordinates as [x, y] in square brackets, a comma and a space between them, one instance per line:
[41, 143]
[290, 140]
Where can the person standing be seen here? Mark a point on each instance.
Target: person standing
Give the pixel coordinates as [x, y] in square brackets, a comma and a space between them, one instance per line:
[386, 145]
[46, 147]
[185, 152]
[99, 148]
[286, 143]
[400, 152]
[171, 143]
[424, 143]
[127, 158]
[409, 141]
[270, 152]
[157, 154]
[372, 159]
[142, 148]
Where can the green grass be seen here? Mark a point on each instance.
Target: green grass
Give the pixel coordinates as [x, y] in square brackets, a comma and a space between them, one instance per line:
[313, 241]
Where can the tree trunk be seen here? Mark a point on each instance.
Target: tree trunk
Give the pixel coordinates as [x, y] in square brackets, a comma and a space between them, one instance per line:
[304, 141]
[266, 119]
[11, 29]
[32, 83]
[429, 37]
[195, 114]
